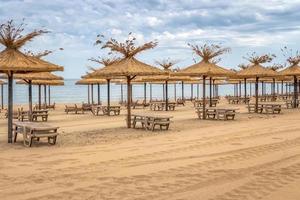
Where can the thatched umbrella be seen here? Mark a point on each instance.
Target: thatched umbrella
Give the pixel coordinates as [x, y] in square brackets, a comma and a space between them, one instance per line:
[13, 61]
[128, 66]
[166, 79]
[207, 67]
[98, 82]
[29, 77]
[1, 84]
[294, 71]
[256, 70]
[45, 83]
[105, 62]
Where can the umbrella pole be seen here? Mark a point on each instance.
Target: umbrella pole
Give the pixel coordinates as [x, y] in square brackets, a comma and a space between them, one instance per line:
[122, 98]
[182, 90]
[40, 100]
[192, 91]
[128, 102]
[167, 98]
[88, 93]
[175, 95]
[2, 106]
[108, 96]
[45, 95]
[164, 95]
[30, 98]
[274, 89]
[10, 106]
[295, 91]
[49, 93]
[92, 93]
[256, 94]
[240, 88]
[145, 92]
[150, 91]
[210, 92]
[245, 89]
[281, 87]
[197, 90]
[204, 100]
[250, 87]
[98, 88]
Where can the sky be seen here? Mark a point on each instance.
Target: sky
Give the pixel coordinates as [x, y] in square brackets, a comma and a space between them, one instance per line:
[244, 26]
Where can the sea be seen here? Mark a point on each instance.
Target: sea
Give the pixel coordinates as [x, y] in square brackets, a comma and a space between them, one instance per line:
[72, 93]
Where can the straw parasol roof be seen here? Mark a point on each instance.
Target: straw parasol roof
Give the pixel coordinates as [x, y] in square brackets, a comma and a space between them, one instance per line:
[36, 76]
[207, 66]
[207, 69]
[87, 81]
[18, 62]
[291, 71]
[125, 67]
[256, 71]
[43, 82]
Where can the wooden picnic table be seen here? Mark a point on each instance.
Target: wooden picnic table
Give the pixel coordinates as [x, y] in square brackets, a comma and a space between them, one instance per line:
[217, 113]
[149, 122]
[31, 130]
[43, 114]
[161, 105]
[268, 108]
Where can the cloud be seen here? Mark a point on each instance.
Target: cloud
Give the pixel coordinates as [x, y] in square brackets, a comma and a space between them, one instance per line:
[243, 25]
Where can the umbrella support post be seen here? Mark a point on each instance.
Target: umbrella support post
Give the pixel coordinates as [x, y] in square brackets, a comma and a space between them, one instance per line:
[182, 90]
[295, 92]
[175, 95]
[40, 101]
[256, 95]
[98, 95]
[145, 92]
[122, 95]
[167, 98]
[129, 94]
[150, 91]
[30, 98]
[49, 93]
[245, 89]
[10, 107]
[204, 99]
[210, 92]
[45, 94]
[89, 94]
[2, 101]
[108, 97]
[92, 93]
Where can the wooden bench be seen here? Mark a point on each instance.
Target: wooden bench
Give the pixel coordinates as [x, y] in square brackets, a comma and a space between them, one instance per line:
[43, 114]
[149, 122]
[115, 110]
[33, 131]
[272, 108]
[217, 113]
[251, 108]
[74, 109]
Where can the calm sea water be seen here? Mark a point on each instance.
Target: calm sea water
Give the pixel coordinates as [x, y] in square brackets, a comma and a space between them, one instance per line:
[71, 93]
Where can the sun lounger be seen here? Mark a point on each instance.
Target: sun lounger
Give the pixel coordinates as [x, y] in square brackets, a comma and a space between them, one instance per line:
[33, 131]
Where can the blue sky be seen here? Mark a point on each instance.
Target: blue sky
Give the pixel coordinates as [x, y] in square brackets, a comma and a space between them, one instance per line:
[245, 26]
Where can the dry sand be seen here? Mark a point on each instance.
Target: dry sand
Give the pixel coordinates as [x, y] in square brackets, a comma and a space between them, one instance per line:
[253, 157]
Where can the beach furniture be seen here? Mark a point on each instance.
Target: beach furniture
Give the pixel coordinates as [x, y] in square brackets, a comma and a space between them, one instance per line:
[161, 105]
[180, 102]
[31, 131]
[217, 113]
[98, 109]
[75, 109]
[149, 122]
[290, 103]
[267, 108]
[42, 114]
[142, 104]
